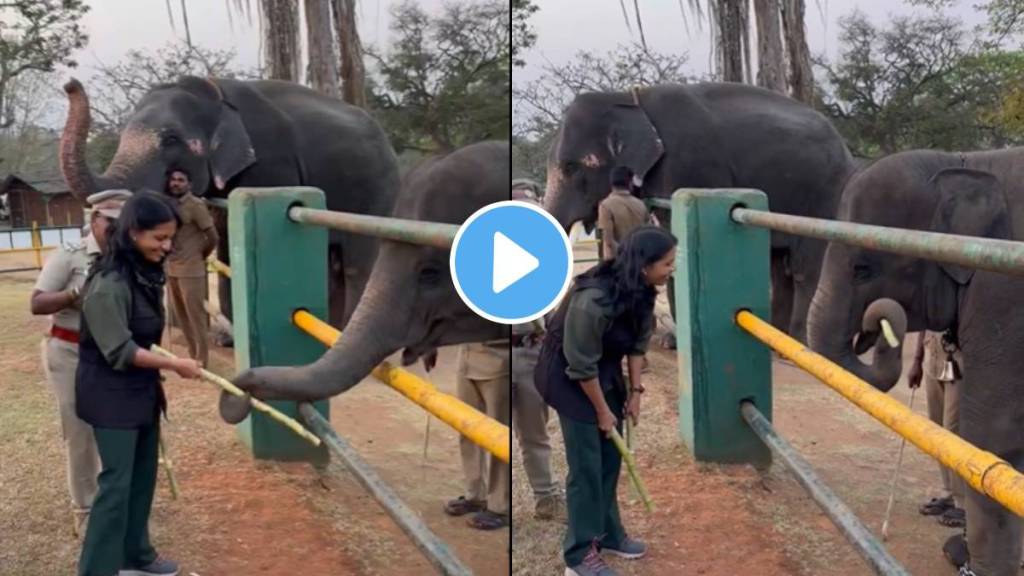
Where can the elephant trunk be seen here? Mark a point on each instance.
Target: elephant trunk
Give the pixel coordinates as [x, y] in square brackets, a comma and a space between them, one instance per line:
[832, 326]
[379, 327]
[73, 164]
[556, 199]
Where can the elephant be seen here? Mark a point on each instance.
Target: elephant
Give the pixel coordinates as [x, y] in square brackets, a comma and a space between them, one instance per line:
[707, 135]
[971, 194]
[410, 300]
[232, 133]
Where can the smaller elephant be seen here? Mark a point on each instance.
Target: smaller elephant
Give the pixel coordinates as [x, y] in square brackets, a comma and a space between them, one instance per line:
[410, 301]
[977, 194]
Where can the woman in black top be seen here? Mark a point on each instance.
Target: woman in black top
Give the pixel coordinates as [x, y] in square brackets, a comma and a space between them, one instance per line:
[117, 386]
[608, 315]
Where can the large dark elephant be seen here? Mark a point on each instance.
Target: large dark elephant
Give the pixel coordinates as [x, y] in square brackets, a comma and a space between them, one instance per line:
[410, 301]
[977, 194]
[707, 136]
[229, 134]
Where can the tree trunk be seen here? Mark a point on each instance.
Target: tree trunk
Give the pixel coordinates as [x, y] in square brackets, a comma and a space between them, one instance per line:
[322, 73]
[353, 74]
[770, 62]
[801, 80]
[730, 13]
[745, 27]
[281, 42]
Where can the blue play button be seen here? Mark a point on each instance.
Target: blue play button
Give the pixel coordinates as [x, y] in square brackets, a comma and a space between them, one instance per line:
[511, 262]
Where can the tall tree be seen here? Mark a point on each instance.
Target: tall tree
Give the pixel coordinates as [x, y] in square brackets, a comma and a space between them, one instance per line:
[282, 53]
[37, 35]
[523, 35]
[323, 68]
[353, 72]
[730, 18]
[801, 79]
[771, 72]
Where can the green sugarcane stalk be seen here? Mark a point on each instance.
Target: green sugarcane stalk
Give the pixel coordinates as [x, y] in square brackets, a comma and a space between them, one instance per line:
[165, 459]
[634, 474]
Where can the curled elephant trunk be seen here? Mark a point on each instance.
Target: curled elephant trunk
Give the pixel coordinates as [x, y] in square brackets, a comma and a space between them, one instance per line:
[73, 165]
[378, 327]
[834, 332]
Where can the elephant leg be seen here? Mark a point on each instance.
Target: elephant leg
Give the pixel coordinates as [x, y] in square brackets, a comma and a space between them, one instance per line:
[993, 532]
[781, 290]
[220, 219]
[805, 260]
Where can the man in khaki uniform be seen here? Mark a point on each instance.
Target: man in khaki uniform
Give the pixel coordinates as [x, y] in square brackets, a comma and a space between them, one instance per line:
[186, 265]
[58, 293]
[483, 383]
[944, 410]
[620, 212]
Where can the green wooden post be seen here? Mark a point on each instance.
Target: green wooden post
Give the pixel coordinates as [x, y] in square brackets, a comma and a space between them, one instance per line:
[277, 267]
[721, 267]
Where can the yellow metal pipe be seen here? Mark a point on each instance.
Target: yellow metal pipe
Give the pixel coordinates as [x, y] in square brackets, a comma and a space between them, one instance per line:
[220, 267]
[483, 431]
[983, 470]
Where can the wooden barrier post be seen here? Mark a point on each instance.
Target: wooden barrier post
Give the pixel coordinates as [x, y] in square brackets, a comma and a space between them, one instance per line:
[721, 268]
[278, 266]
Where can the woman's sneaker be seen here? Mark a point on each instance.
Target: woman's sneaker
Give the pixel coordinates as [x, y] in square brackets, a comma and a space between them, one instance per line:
[592, 565]
[629, 548]
[158, 567]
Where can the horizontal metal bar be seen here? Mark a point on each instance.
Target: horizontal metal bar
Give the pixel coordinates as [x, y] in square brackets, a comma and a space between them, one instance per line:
[982, 253]
[26, 250]
[409, 231]
[19, 270]
[852, 528]
[217, 202]
[659, 203]
[433, 547]
[982, 470]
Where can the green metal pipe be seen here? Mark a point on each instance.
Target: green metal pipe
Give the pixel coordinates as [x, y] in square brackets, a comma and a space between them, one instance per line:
[873, 552]
[436, 550]
[665, 203]
[217, 202]
[409, 231]
[982, 253]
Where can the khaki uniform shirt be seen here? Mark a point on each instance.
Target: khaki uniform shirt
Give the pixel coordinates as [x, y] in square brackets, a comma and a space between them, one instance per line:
[619, 214]
[479, 361]
[66, 269]
[186, 259]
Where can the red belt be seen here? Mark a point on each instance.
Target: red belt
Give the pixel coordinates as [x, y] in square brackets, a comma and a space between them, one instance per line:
[64, 334]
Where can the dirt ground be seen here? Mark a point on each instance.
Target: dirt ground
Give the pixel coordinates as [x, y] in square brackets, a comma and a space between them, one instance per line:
[729, 520]
[234, 515]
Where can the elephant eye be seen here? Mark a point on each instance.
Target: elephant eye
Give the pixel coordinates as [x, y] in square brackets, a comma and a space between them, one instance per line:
[170, 140]
[430, 276]
[571, 168]
[862, 272]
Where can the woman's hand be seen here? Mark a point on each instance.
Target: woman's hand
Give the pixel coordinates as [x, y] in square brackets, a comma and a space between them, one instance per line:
[188, 368]
[606, 422]
[633, 408]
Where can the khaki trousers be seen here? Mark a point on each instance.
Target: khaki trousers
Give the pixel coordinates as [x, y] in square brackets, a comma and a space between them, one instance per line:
[944, 410]
[187, 296]
[530, 416]
[60, 359]
[487, 478]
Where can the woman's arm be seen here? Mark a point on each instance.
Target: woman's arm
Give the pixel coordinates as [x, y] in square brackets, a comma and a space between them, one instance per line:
[606, 420]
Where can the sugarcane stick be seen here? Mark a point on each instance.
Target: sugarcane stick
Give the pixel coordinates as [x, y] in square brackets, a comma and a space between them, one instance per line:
[258, 404]
[895, 477]
[426, 438]
[165, 459]
[634, 474]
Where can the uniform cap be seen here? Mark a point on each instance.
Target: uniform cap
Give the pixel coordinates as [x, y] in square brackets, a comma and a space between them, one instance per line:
[109, 202]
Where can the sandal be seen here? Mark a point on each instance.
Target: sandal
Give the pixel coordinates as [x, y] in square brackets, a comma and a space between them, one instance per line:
[487, 520]
[953, 518]
[461, 506]
[936, 506]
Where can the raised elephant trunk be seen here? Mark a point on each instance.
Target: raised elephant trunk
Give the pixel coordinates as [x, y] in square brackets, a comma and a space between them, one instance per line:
[832, 327]
[73, 141]
[378, 327]
[554, 197]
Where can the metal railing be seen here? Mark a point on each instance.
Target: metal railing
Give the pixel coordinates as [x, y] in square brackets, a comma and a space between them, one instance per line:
[435, 234]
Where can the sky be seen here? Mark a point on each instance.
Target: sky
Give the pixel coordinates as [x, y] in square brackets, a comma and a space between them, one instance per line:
[598, 26]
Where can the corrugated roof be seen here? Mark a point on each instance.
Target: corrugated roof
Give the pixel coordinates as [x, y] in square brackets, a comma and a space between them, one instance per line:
[49, 186]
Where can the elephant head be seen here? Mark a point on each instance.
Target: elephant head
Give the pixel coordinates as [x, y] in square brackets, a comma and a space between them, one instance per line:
[187, 124]
[410, 301]
[600, 131]
[892, 193]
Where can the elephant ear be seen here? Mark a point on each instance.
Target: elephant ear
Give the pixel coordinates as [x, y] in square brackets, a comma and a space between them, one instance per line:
[231, 149]
[971, 203]
[634, 141]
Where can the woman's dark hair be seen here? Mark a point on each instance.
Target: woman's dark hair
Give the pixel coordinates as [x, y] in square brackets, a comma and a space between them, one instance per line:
[621, 177]
[623, 277]
[145, 210]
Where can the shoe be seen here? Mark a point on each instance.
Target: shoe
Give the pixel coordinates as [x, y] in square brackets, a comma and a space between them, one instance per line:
[551, 509]
[158, 567]
[956, 552]
[487, 520]
[592, 565]
[462, 506]
[629, 548]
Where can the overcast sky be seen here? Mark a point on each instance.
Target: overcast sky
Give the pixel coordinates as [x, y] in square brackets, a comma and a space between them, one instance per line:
[565, 27]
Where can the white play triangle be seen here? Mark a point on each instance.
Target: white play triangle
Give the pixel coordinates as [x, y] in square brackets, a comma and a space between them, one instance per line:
[511, 263]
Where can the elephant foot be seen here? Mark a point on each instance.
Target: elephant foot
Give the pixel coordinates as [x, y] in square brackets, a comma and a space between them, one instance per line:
[955, 551]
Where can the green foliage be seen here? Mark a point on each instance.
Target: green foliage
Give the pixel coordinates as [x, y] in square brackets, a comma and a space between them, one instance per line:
[445, 82]
[37, 35]
[523, 36]
[918, 83]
